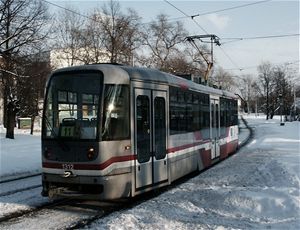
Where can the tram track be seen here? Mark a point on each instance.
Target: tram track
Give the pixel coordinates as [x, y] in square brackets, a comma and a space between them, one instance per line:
[29, 212]
[88, 211]
[20, 178]
[251, 133]
[22, 184]
[19, 190]
[64, 214]
[105, 211]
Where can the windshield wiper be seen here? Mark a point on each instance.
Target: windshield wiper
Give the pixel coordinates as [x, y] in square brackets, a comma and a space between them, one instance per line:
[60, 142]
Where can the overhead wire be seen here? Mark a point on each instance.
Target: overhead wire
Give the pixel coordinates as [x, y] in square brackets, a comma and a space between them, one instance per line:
[258, 37]
[233, 39]
[69, 10]
[255, 66]
[186, 15]
[230, 59]
[192, 18]
[221, 10]
[232, 8]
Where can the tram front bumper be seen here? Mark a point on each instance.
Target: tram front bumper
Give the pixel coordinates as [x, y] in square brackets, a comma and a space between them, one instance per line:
[87, 187]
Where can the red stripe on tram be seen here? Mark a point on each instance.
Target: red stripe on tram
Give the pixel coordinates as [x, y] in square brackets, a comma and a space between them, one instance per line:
[101, 166]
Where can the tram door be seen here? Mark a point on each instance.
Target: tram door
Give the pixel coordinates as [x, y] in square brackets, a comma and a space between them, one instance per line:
[150, 138]
[215, 127]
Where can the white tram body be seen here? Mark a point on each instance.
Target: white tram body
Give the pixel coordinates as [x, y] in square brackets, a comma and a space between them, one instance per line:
[113, 131]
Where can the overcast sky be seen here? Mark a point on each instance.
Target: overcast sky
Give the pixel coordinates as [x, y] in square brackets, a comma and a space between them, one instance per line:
[257, 19]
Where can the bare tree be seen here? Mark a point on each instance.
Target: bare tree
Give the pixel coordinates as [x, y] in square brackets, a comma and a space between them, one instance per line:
[163, 38]
[223, 79]
[107, 35]
[275, 88]
[68, 29]
[195, 58]
[120, 32]
[22, 26]
[180, 64]
[35, 69]
[246, 85]
[282, 87]
[92, 41]
[265, 85]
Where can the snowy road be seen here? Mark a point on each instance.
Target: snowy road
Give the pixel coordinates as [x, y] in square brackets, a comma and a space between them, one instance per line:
[257, 188]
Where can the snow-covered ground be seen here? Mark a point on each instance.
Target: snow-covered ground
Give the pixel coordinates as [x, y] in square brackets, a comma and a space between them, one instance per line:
[257, 188]
[20, 156]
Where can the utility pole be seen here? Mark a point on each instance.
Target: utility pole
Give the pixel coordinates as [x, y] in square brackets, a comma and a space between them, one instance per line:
[281, 104]
[208, 57]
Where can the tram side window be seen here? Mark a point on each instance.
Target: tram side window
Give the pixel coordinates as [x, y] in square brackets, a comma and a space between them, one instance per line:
[115, 123]
[178, 111]
[160, 127]
[234, 112]
[196, 112]
[143, 128]
[223, 112]
[173, 112]
[181, 118]
[189, 111]
[229, 113]
[205, 115]
[189, 115]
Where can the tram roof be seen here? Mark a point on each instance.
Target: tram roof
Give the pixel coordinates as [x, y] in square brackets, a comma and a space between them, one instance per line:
[154, 75]
[118, 74]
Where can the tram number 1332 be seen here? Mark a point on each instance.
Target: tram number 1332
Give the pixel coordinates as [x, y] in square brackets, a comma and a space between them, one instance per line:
[67, 166]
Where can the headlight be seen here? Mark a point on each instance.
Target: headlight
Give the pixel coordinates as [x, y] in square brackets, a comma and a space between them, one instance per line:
[91, 153]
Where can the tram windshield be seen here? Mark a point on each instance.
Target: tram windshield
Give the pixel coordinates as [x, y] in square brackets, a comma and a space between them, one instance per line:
[115, 116]
[71, 106]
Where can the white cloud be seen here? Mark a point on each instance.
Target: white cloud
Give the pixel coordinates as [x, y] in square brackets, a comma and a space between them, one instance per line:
[219, 21]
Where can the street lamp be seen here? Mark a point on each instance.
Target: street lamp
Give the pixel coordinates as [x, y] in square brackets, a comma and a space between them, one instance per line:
[281, 104]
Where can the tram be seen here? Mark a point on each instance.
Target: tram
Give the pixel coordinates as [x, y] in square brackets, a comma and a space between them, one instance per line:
[111, 131]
